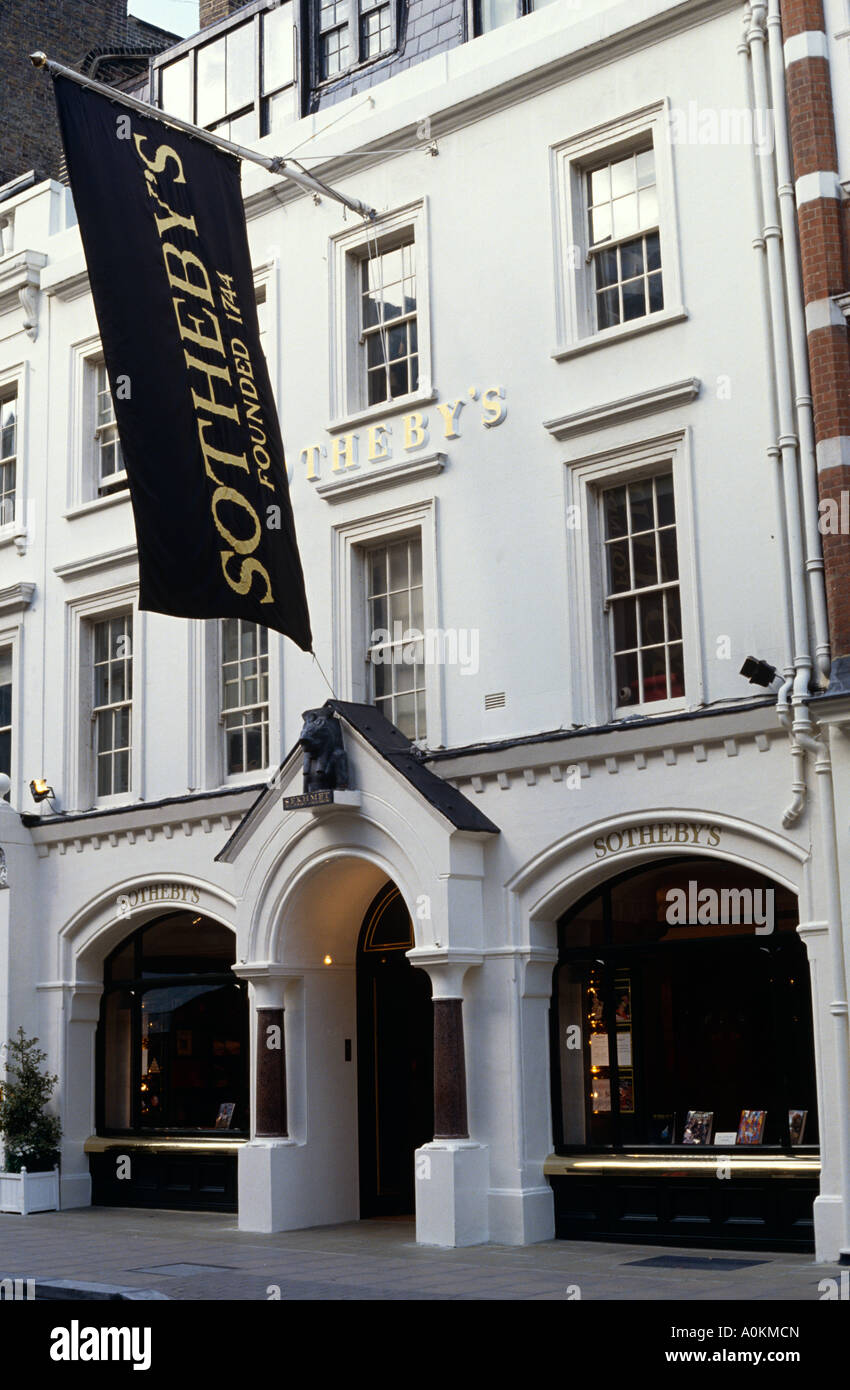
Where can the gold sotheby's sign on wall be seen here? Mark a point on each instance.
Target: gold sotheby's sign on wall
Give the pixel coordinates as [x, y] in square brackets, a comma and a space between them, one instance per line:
[347, 450]
[667, 832]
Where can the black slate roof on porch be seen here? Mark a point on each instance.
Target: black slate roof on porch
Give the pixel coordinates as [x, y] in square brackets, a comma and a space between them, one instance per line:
[394, 748]
[392, 745]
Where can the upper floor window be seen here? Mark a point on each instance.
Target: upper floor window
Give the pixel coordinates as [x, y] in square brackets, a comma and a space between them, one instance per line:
[395, 647]
[388, 327]
[8, 457]
[240, 82]
[349, 32]
[109, 460]
[492, 14]
[245, 696]
[112, 703]
[624, 244]
[617, 232]
[642, 592]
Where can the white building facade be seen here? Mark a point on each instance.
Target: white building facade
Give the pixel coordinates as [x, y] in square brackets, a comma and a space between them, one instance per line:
[529, 419]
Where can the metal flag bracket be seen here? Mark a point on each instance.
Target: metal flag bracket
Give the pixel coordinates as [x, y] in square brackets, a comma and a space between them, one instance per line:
[274, 164]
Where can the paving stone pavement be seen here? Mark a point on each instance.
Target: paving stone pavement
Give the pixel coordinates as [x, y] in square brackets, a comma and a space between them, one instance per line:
[370, 1260]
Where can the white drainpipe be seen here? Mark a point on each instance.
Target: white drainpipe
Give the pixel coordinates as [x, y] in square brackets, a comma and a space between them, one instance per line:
[798, 804]
[783, 372]
[799, 346]
[805, 737]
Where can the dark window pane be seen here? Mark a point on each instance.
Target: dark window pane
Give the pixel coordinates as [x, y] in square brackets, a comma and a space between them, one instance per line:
[640, 506]
[643, 557]
[656, 293]
[627, 679]
[653, 251]
[619, 578]
[615, 512]
[608, 308]
[677, 671]
[674, 615]
[631, 254]
[6, 751]
[399, 379]
[664, 500]
[634, 300]
[651, 620]
[669, 558]
[625, 624]
[606, 269]
[654, 675]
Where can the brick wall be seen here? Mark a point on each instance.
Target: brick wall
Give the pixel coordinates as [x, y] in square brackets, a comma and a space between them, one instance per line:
[67, 30]
[214, 10]
[823, 227]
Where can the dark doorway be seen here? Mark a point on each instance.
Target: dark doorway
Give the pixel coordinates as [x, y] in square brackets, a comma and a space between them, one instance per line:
[395, 1060]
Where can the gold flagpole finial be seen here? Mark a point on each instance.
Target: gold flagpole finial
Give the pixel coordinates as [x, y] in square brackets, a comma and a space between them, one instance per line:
[39, 59]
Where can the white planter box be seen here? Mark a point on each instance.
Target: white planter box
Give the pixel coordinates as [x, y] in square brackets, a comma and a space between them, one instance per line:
[26, 1192]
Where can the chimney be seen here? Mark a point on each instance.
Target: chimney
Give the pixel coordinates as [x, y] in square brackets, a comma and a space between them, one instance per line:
[211, 11]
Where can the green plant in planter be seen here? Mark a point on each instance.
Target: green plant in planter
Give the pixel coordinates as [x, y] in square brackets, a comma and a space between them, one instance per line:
[30, 1137]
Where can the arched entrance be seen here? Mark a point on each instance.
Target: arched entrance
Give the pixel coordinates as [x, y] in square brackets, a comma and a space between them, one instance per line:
[684, 1099]
[172, 1068]
[394, 1057]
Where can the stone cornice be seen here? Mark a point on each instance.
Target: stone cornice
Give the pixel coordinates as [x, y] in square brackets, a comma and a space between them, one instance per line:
[606, 752]
[627, 408]
[15, 598]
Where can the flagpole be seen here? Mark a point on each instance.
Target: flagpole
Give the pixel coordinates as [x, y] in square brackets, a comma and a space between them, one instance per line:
[275, 164]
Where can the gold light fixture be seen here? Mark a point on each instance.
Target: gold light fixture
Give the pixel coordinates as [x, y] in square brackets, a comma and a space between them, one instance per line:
[41, 789]
[329, 960]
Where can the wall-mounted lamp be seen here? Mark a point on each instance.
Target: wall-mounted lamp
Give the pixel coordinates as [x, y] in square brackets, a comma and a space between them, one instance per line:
[329, 960]
[41, 790]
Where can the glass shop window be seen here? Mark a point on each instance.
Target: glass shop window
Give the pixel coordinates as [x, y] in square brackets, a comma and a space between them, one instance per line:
[682, 1013]
[172, 1039]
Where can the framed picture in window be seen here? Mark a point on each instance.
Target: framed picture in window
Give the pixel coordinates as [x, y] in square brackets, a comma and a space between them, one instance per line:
[797, 1125]
[751, 1126]
[698, 1127]
[225, 1114]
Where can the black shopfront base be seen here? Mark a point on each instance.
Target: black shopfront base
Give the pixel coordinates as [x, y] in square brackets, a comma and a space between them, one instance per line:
[736, 1213]
[194, 1180]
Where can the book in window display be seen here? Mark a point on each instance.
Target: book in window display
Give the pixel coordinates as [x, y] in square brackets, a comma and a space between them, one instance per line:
[751, 1126]
[797, 1125]
[698, 1127]
[662, 1129]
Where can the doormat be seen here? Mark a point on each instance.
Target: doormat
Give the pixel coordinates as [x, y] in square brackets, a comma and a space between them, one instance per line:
[694, 1262]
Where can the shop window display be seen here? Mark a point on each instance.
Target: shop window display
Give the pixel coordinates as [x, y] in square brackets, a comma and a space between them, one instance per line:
[682, 1016]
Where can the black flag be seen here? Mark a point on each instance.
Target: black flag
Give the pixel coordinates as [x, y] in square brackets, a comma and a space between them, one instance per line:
[163, 229]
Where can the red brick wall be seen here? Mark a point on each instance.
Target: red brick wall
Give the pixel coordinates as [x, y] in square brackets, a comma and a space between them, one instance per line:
[214, 10]
[823, 227]
[66, 30]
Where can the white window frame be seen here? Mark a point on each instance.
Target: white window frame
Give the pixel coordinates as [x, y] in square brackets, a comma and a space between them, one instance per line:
[14, 380]
[84, 473]
[575, 307]
[351, 542]
[348, 249]
[255, 774]
[590, 642]
[207, 763]
[80, 771]
[11, 636]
